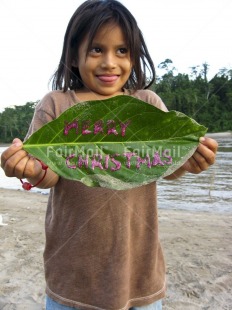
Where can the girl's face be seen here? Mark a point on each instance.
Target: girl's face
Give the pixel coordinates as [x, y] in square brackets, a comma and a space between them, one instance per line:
[107, 66]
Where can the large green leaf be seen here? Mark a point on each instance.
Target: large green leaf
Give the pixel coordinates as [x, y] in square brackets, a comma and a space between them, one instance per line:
[118, 143]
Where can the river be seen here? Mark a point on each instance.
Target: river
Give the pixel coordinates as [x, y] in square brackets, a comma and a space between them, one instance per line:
[209, 191]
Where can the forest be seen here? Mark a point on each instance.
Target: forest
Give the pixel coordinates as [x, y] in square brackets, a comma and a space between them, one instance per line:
[209, 102]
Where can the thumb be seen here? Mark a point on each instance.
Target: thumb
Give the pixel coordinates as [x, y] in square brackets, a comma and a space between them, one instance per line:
[17, 142]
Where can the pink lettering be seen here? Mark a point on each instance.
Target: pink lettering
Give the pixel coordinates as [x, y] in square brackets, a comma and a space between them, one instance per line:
[111, 127]
[69, 126]
[123, 128]
[166, 154]
[128, 155]
[68, 162]
[110, 162]
[107, 158]
[116, 162]
[156, 160]
[85, 126]
[143, 161]
[82, 161]
[97, 163]
[98, 127]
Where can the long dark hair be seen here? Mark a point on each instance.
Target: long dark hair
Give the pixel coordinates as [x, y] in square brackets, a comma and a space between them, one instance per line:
[86, 21]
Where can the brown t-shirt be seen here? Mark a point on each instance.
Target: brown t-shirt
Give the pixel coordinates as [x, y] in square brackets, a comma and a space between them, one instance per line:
[102, 246]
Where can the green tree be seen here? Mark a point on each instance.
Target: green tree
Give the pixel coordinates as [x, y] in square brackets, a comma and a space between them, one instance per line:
[14, 122]
[208, 102]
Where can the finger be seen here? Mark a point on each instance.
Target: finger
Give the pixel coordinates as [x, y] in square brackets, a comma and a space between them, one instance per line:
[192, 166]
[210, 143]
[17, 142]
[11, 163]
[10, 151]
[201, 162]
[20, 167]
[32, 168]
[207, 154]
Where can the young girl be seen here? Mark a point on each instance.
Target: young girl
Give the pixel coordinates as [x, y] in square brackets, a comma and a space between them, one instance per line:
[102, 246]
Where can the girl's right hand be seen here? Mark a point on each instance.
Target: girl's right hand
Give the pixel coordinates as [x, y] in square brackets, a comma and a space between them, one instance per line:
[17, 163]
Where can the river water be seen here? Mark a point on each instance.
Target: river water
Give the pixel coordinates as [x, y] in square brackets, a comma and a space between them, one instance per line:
[209, 191]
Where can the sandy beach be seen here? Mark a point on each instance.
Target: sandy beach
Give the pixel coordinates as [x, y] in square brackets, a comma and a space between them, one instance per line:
[197, 247]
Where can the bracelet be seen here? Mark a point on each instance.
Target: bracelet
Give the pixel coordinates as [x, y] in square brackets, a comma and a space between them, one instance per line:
[27, 186]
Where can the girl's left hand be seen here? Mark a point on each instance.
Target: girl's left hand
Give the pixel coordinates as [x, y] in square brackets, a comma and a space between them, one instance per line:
[203, 157]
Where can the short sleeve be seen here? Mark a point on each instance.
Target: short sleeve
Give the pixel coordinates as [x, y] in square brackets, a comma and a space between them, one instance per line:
[44, 113]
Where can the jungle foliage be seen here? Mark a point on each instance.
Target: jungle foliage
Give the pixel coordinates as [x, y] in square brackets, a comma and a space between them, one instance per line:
[15, 121]
[208, 102]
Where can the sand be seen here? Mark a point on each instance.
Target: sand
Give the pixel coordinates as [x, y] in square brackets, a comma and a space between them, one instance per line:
[197, 248]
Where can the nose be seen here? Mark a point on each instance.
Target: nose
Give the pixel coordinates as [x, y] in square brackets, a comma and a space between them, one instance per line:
[108, 61]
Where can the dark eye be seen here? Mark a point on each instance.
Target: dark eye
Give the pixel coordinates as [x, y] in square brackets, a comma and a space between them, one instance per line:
[122, 50]
[95, 50]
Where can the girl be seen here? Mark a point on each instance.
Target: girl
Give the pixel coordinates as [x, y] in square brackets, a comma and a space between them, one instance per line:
[102, 246]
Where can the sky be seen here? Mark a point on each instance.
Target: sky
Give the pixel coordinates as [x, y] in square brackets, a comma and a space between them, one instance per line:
[189, 32]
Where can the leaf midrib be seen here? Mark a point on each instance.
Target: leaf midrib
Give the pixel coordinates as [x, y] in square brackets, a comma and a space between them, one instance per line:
[97, 143]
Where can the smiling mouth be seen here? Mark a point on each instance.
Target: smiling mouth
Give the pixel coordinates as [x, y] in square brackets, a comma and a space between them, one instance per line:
[107, 78]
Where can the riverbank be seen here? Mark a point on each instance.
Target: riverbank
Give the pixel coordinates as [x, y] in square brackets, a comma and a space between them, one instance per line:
[196, 244]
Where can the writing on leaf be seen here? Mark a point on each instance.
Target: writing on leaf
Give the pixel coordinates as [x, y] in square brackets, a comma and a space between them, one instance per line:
[117, 143]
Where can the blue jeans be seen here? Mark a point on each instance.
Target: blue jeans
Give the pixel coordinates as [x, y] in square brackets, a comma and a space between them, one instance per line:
[53, 305]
